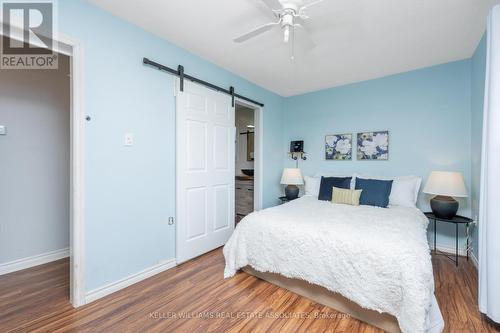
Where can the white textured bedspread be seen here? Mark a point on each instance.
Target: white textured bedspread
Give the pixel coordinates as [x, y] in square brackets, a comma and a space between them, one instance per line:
[376, 257]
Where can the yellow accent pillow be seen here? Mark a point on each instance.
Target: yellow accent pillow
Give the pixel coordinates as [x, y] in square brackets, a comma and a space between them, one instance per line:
[345, 196]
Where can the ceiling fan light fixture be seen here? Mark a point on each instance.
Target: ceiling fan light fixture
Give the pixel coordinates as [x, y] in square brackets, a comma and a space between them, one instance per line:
[290, 14]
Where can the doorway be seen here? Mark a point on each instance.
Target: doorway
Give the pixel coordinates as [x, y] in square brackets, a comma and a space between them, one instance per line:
[72, 49]
[244, 162]
[249, 161]
[35, 111]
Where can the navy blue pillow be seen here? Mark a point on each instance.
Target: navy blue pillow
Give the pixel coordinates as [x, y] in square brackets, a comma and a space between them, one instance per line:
[328, 183]
[375, 191]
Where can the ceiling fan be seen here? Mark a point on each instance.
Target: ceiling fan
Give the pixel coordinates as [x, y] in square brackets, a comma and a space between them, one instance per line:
[290, 14]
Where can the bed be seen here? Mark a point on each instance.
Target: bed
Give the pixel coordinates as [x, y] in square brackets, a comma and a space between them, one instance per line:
[373, 263]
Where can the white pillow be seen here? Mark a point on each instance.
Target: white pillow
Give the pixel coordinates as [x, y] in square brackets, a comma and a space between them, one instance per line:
[312, 185]
[404, 190]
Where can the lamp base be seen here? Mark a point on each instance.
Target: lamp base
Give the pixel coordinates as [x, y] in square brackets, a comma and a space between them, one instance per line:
[444, 207]
[292, 192]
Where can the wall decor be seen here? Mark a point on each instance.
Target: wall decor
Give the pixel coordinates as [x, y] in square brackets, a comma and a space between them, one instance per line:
[373, 145]
[338, 147]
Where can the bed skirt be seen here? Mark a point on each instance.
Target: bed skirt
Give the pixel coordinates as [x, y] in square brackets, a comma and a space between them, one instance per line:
[333, 300]
[336, 301]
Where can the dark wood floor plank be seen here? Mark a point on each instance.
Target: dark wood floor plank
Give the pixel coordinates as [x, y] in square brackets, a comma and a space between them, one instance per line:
[194, 297]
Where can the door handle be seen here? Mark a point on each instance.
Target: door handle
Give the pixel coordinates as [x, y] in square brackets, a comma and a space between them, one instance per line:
[170, 220]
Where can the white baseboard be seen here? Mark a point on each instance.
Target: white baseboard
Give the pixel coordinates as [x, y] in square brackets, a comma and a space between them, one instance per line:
[450, 250]
[461, 252]
[128, 281]
[473, 257]
[40, 259]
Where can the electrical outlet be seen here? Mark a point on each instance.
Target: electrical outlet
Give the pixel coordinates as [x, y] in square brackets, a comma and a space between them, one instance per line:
[3, 130]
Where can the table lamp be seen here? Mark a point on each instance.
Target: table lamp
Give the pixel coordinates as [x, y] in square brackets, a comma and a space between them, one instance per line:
[445, 186]
[292, 178]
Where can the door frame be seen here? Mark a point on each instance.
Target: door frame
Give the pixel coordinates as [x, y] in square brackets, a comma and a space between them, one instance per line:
[258, 146]
[74, 49]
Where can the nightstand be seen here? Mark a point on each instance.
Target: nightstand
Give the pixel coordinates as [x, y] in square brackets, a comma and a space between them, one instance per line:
[284, 200]
[457, 220]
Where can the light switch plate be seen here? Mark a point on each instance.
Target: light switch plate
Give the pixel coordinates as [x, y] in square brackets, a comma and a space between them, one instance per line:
[3, 130]
[129, 139]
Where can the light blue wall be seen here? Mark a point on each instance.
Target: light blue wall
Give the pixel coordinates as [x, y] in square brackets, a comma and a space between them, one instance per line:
[129, 191]
[478, 67]
[426, 111]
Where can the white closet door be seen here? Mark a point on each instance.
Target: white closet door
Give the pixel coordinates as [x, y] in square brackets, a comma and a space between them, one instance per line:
[205, 170]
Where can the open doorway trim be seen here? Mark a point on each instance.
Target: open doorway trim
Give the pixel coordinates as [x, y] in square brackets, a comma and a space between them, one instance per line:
[74, 49]
[258, 163]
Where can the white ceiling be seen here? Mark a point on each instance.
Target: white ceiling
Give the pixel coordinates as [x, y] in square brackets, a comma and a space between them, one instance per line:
[356, 39]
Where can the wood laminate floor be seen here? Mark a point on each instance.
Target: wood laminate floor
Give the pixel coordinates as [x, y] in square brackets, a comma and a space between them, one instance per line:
[194, 297]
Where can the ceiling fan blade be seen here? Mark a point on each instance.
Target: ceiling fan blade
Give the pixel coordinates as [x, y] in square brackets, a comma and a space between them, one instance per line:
[273, 4]
[303, 38]
[309, 5]
[256, 32]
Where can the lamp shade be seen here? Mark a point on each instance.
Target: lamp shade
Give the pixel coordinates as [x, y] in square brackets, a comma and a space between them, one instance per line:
[292, 177]
[446, 183]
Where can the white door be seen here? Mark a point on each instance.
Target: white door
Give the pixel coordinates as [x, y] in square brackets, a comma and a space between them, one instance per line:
[205, 170]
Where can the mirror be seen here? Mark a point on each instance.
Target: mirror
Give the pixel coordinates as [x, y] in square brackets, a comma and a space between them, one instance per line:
[250, 146]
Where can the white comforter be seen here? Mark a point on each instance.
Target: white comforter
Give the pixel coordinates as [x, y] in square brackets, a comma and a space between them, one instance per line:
[376, 257]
